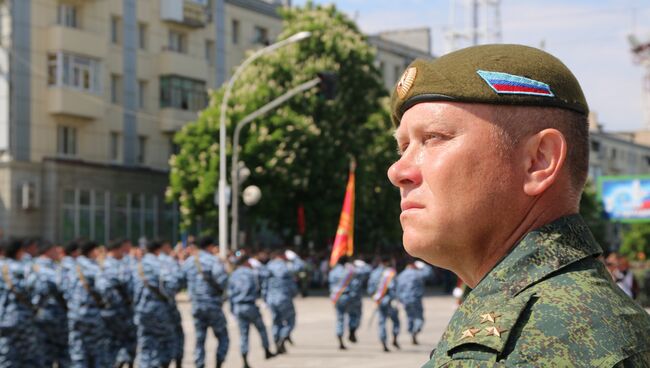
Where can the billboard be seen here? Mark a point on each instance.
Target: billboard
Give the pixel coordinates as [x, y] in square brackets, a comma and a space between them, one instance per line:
[625, 198]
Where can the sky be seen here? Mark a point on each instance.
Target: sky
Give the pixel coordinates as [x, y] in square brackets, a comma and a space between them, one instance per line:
[589, 36]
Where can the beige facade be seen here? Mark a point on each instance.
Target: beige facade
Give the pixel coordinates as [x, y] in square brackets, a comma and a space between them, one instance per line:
[95, 73]
[95, 92]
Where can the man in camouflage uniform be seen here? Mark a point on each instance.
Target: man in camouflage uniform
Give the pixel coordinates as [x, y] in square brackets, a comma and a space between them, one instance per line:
[278, 290]
[18, 333]
[170, 266]
[86, 297]
[153, 293]
[51, 309]
[207, 280]
[382, 288]
[494, 147]
[119, 311]
[345, 287]
[243, 291]
[410, 290]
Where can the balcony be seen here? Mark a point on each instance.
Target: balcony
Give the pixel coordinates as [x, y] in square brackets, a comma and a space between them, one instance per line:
[190, 13]
[76, 41]
[71, 102]
[172, 120]
[175, 63]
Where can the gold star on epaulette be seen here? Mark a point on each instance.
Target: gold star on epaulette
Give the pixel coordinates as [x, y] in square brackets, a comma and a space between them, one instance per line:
[489, 317]
[494, 331]
[470, 332]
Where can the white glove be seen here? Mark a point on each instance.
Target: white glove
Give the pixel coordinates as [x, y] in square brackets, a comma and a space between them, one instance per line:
[359, 263]
[420, 265]
[291, 255]
[254, 263]
[458, 292]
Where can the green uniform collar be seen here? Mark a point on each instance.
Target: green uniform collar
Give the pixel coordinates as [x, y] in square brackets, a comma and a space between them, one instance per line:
[540, 253]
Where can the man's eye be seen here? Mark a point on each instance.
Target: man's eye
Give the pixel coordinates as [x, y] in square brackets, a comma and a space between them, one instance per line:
[431, 137]
[401, 149]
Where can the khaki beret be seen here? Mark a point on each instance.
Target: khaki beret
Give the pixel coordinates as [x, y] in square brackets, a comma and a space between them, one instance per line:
[490, 74]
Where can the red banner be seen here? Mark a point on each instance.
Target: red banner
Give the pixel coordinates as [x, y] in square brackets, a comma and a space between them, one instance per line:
[344, 241]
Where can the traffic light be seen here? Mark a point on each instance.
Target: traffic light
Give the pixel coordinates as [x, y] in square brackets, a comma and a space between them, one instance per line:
[327, 86]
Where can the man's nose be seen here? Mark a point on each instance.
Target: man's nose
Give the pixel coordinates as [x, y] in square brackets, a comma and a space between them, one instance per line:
[404, 172]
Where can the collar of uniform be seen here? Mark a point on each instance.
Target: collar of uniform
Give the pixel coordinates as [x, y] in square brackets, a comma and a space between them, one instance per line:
[540, 253]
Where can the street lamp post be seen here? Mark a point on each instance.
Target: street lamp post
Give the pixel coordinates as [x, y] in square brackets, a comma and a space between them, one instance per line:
[223, 214]
[234, 167]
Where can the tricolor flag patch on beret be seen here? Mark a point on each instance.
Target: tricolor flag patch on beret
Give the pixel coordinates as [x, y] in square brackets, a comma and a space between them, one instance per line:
[503, 83]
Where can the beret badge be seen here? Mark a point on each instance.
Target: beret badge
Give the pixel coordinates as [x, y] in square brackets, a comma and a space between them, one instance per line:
[406, 81]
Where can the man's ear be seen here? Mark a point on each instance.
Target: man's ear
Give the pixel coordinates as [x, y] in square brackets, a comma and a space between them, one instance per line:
[545, 153]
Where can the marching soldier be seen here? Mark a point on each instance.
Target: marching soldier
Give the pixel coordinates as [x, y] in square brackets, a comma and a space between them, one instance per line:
[18, 334]
[345, 289]
[383, 289]
[170, 266]
[153, 291]
[85, 298]
[51, 317]
[278, 290]
[207, 279]
[243, 290]
[119, 312]
[410, 290]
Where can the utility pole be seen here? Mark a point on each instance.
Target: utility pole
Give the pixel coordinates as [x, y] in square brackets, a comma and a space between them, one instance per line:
[473, 22]
[641, 53]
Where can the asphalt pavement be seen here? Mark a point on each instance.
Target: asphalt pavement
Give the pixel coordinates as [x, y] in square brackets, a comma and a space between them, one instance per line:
[315, 343]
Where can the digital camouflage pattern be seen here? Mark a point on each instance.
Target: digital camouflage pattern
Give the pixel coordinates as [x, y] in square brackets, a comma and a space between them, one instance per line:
[549, 303]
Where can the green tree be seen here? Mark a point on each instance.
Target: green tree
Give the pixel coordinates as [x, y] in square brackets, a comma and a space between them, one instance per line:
[299, 153]
[636, 239]
[593, 213]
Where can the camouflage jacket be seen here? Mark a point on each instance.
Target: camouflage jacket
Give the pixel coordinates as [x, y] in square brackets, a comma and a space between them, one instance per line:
[549, 303]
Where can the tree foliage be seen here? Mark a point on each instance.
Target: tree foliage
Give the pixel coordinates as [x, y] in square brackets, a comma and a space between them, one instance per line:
[299, 153]
[592, 211]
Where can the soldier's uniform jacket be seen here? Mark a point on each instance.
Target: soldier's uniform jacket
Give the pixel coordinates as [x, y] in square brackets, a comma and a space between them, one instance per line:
[87, 290]
[410, 284]
[377, 277]
[119, 285]
[337, 280]
[549, 303]
[243, 286]
[206, 280]
[278, 285]
[47, 295]
[15, 295]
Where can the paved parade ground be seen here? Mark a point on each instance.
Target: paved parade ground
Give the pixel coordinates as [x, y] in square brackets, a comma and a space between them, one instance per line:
[315, 340]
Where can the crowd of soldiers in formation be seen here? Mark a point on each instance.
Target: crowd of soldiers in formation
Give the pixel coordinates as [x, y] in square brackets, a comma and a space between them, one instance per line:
[86, 305]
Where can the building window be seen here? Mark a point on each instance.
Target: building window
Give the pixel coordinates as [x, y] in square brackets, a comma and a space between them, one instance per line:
[235, 31]
[396, 73]
[174, 148]
[142, 36]
[67, 140]
[141, 149]
[177, 42]
[67, 16]
[142, 93]
[116, 30]
[116, 89]
[261, 35]
[182, 93]
[209, 52]
[595, 146]
[115, 146]
[75, 71]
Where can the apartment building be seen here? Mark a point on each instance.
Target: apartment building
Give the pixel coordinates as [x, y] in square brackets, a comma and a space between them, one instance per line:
[91, 93]
[397, 49]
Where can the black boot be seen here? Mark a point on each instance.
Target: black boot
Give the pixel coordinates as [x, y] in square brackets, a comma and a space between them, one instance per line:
[245, 359]
[395, 344]
[279, 346]
[415, 339]
[219, 363]
[268, 354]
[385, 347]
[341, 346]
[289, 340]
[353, 336]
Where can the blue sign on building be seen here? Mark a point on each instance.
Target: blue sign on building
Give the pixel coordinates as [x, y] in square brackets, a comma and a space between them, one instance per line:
[625, 198]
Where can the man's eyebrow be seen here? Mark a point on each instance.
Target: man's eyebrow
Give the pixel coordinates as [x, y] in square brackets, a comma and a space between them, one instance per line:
[397, 135]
